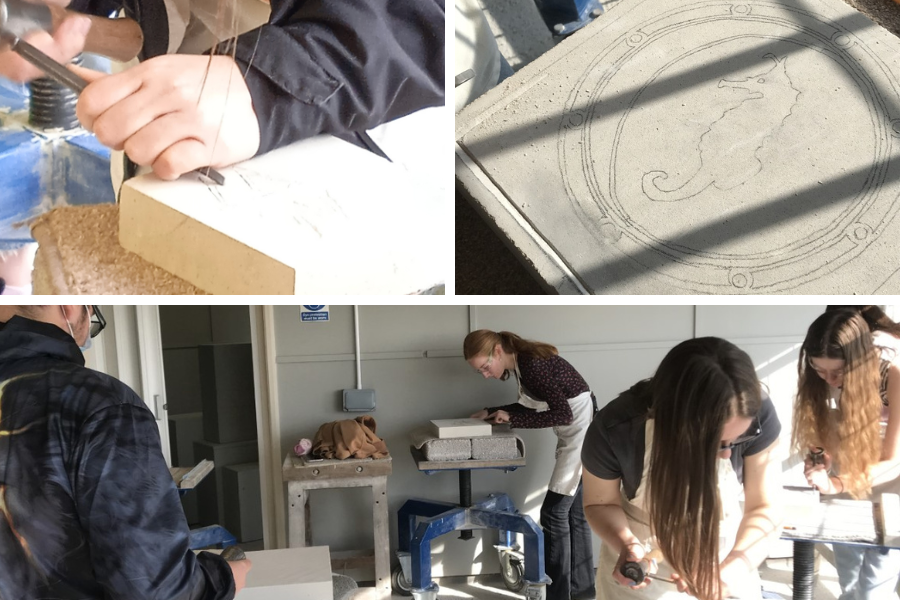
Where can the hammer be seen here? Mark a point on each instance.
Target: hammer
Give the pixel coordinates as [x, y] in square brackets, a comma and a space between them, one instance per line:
[119, 39]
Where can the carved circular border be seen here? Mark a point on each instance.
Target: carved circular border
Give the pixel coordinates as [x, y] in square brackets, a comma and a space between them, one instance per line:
[708, 272]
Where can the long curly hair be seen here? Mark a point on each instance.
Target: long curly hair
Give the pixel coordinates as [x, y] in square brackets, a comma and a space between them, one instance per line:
[483, 341]
[700, 385]
[851, 434]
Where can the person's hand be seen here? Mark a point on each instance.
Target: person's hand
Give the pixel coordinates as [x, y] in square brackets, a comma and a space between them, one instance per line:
[500, 416]
[240, 568]
[63, 45]
[680, 583]
[826, 458]
[633, 552]
[481, 414]
[174, 113]
[818, 478]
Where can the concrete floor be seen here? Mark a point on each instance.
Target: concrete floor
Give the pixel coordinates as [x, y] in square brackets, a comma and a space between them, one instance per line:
[776, 576]
[484, 265]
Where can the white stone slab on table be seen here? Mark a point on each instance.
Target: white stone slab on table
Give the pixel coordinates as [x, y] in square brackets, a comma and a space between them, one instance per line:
[320, 215]
[701, 147]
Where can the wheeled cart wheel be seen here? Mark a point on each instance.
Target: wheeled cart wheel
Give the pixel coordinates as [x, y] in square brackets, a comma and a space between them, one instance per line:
[513, 571]
[399, 582]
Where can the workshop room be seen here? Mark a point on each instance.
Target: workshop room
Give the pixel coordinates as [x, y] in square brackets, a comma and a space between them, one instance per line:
[458, 451]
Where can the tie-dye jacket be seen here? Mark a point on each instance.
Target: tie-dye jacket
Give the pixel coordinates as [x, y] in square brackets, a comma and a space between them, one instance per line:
[88, 508]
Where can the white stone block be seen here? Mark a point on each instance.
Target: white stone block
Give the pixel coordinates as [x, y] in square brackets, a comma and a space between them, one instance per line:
[293, 573]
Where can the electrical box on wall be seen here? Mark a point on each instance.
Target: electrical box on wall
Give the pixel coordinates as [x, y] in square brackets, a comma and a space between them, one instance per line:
[359, 400]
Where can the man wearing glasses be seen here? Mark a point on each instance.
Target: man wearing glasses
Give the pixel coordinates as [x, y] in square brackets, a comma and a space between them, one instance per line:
[88, 508]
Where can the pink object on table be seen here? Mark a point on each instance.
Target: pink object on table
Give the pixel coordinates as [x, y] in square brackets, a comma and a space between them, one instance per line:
[302, 447]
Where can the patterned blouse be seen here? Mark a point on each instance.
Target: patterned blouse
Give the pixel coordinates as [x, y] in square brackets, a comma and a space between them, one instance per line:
[552, 380]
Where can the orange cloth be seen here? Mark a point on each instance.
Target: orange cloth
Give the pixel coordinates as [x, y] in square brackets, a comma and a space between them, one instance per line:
[350, 438]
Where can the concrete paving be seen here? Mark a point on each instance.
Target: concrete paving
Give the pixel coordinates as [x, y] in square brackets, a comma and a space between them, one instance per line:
[712, 148]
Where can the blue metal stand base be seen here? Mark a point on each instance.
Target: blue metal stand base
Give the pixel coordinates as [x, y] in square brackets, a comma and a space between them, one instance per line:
[43, 170]
[437, 518]
[563, 17]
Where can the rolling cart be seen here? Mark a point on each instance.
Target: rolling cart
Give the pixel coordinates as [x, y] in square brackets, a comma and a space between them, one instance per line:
[421, 521]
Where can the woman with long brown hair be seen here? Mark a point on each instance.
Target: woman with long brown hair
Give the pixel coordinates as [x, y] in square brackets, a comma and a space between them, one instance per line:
[665, 465]
[848, 404]
[551, 393]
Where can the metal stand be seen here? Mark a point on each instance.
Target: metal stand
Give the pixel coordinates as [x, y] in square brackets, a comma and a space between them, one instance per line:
[564, 17]
[804, 569]
[421, 521]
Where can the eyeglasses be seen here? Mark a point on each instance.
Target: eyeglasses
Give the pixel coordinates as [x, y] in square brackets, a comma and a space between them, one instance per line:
[752, 433]
[483, 369]
[98, 323]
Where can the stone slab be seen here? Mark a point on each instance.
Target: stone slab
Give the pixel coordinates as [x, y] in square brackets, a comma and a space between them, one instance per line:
[226, 393]
[210, 491]
[705, 147]
[243, 501]
[320, 214]
[500, 446]
[295, 573]
[448, 449]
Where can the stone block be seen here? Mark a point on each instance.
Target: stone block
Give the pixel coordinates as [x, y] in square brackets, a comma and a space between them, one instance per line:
[210, 496]
[243, 501]
[495, 447]
[226, 392]
[295, 573]
[331, 225]
[448, 449]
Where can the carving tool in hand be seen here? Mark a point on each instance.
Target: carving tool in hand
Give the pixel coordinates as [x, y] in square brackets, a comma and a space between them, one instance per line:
[60, 74]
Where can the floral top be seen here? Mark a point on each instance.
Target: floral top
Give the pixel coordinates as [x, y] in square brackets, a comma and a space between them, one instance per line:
[552, 380]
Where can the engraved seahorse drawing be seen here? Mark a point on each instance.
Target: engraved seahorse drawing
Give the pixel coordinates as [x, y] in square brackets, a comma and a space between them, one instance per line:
[729, 148]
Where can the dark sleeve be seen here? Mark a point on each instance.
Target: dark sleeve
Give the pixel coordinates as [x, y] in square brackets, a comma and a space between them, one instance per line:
[341, 66]
[597, 455]
[770, 429]
[134, 523]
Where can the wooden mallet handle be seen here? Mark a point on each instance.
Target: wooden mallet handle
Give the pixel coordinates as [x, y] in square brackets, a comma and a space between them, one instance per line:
[119, 39]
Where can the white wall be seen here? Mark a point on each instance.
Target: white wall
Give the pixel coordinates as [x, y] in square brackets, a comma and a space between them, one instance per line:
[412, 357]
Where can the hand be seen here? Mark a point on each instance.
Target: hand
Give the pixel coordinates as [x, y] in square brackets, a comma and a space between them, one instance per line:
[826, 457]
[175, 113]
[818, 478]
[239, 570]
[680, 583]
[501, 416]
[65, 43]
[633, 552]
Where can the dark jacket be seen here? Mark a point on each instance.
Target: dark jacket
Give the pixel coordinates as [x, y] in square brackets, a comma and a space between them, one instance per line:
[324, 66]
[88, 508]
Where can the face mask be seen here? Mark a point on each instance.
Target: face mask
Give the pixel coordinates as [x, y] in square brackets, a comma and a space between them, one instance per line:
[87, 342]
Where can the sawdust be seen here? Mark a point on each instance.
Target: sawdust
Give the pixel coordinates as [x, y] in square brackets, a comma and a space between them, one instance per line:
[79, 253]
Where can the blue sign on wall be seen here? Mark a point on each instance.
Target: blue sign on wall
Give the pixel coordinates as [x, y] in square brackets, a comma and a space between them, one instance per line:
[310, 313]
